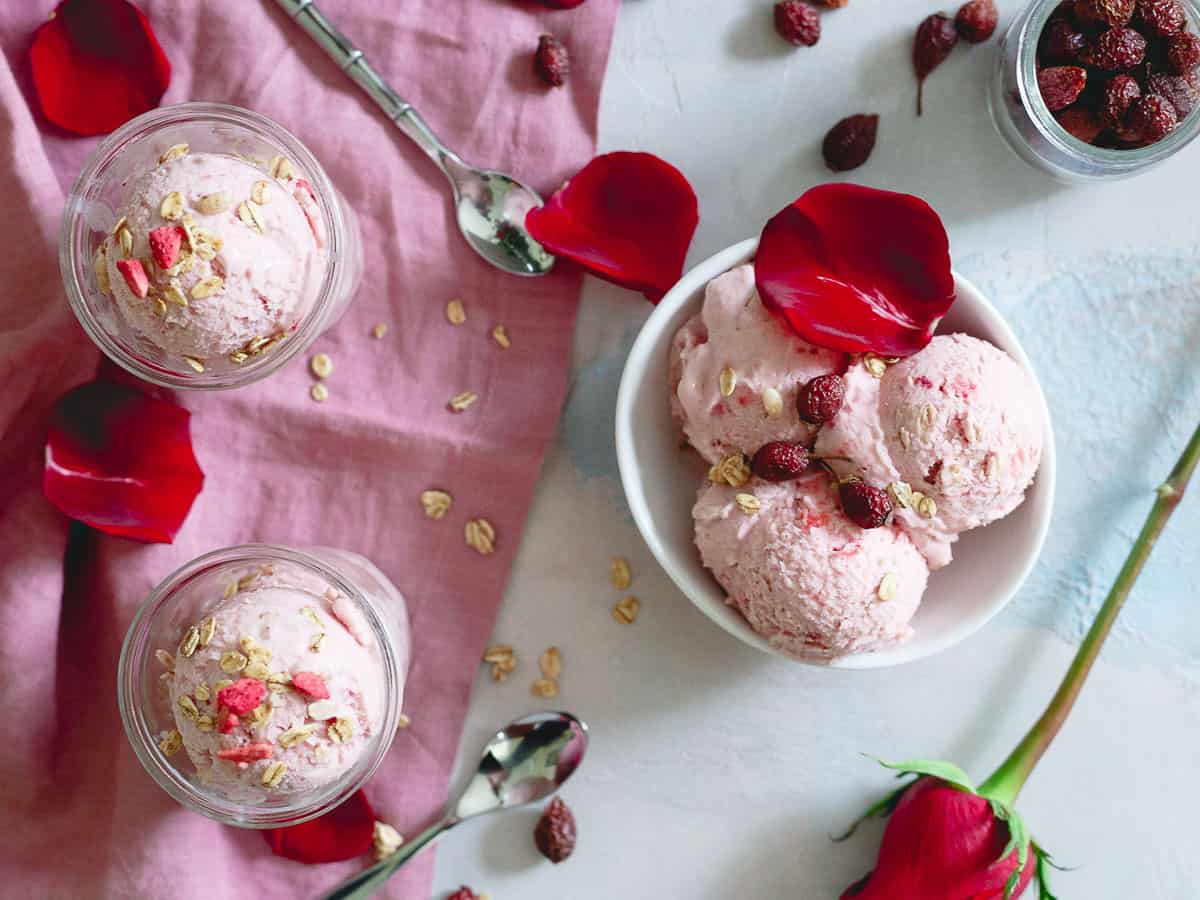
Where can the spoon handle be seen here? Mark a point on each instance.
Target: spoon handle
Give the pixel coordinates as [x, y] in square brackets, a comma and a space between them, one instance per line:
[352, 61]
[368, 881]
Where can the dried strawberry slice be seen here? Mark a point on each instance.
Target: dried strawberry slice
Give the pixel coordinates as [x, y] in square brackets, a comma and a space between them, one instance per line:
[857, 269]
[342, 833]
[310, 683]
[242, 696]
[246, 753]
[165, 243]
[96, 64]
[121, 461]
[625, 217]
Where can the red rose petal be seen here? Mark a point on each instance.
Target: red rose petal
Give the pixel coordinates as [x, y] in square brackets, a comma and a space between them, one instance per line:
[857, 269]
[96, 64]
[342, 833]
[121, 461]
[626, 217]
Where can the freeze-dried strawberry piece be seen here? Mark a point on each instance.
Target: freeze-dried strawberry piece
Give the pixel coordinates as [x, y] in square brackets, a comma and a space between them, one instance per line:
[247, 752]
[135, 276]
[165, 243]
[227, 721]
[242, 696]
[310, 683]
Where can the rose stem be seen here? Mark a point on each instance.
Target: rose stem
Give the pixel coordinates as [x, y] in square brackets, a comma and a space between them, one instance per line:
[1006, 782]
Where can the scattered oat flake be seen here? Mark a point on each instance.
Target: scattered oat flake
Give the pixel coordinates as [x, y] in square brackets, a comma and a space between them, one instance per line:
[481, 536]
[544, 687]
[260, 193]
[174, 294]
[274, 774]
[281, 168]
[251, 217]
[118, 225]
[171, 743]
[403, 721]
[626, 612]
[322, 710]
[901, 494]
[233, 662]
[927, 507]
[341, 731]
[315, 644]
[461, 402]
[165, 659]
[321, 365]
[160, 307]
[379, 330]
[728, 382]
[191, 640]
[385, 840]
[311, 614]
[211, 204]
[171, 207]
[748, 503]
[456, 313]
[500, 336]
[295, 735]
[195, 364]
[772, 402]
[319, 392]
[206, 287]
[188, 707]
[733, 470]
[875, 365]
[435, 503]
[256, 668]
[205, 723]
[550, 663]
[887, 587]
[202, 692]
[619, 574]
[176, 151]
[100, 269]
[125, 239]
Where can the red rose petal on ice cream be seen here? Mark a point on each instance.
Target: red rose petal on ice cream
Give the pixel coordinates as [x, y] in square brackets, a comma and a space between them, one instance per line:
[247, 752]
[312, 684]
[342, 833]
[626, 217]
[96, 64]
[242, 696]
[135, 276]
[164, 245]
[121, 461]
[857, 269]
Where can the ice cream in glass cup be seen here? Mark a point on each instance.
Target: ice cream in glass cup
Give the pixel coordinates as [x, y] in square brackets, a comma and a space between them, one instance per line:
[261, 685]
[203, 246]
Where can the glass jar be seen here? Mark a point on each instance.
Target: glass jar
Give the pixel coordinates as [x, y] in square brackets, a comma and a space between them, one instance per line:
[1025, 121]
[100, 191]
[266, 605]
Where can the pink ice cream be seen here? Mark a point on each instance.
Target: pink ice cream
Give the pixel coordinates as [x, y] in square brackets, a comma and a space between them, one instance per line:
[249, 272]
[811, 582]
[962, 424]
[735, 331]
[853, 444]
[289, 645]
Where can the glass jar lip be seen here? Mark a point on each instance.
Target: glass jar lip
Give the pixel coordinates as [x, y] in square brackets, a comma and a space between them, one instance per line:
[136, 654]
[71, 248]
[1117, 160]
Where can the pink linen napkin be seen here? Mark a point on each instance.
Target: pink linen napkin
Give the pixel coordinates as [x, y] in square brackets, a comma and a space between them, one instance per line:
[79, 816]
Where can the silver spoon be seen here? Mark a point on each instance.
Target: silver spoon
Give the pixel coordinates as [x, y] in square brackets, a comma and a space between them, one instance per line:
[525, 762]
[490, 206]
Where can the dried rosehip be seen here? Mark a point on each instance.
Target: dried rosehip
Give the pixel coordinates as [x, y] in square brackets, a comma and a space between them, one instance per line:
[463, 893]
[1152, 118]
[1160, 18]
[832, 4]
[1183, 53]
[551, 61]
[976, 21]
[1113, 13]
[936, 37]
[554, 834]
[821, 399]
[1183, 94]
[1117, 49]
[1061, 85]
[1082, 124]
[1062, 44]
[797, 22]
[865, 505]
[780, 461]
[849, 143]
[1119, 94]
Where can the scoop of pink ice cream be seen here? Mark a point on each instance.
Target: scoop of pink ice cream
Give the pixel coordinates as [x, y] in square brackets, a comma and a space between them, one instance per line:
[735, 331]
[806, 578]
[853, 444]
[280, 640]
[253, 275]
[962, 424]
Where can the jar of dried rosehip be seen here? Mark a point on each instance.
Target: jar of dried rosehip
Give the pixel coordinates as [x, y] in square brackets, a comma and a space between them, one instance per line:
[1091, 90]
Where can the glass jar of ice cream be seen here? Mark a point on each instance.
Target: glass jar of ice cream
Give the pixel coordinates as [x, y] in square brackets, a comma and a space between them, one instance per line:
[1037, 134]
[203, 246]
[261, 686]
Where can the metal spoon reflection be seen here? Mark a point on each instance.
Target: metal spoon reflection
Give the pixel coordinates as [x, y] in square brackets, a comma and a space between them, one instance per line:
[525, 762]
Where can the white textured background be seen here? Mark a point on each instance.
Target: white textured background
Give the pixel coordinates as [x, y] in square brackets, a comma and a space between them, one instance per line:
[716, 772]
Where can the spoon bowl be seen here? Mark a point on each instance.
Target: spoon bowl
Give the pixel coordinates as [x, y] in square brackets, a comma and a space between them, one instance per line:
[490, 208]
[524, 762]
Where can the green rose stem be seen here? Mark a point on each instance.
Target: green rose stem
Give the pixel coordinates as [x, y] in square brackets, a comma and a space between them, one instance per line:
[1007, 781]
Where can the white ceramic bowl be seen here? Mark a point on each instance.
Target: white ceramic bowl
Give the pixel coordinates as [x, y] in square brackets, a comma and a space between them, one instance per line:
[661, 477]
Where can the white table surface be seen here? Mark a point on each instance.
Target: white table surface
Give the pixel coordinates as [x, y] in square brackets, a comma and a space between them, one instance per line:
[717, 772]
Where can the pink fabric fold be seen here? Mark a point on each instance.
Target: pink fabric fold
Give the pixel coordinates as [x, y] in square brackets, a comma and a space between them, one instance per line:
[80, 818]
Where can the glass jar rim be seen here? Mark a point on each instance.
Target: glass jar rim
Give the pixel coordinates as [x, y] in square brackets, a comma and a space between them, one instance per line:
[71, 248]
[136, 654]
[1120, 160]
